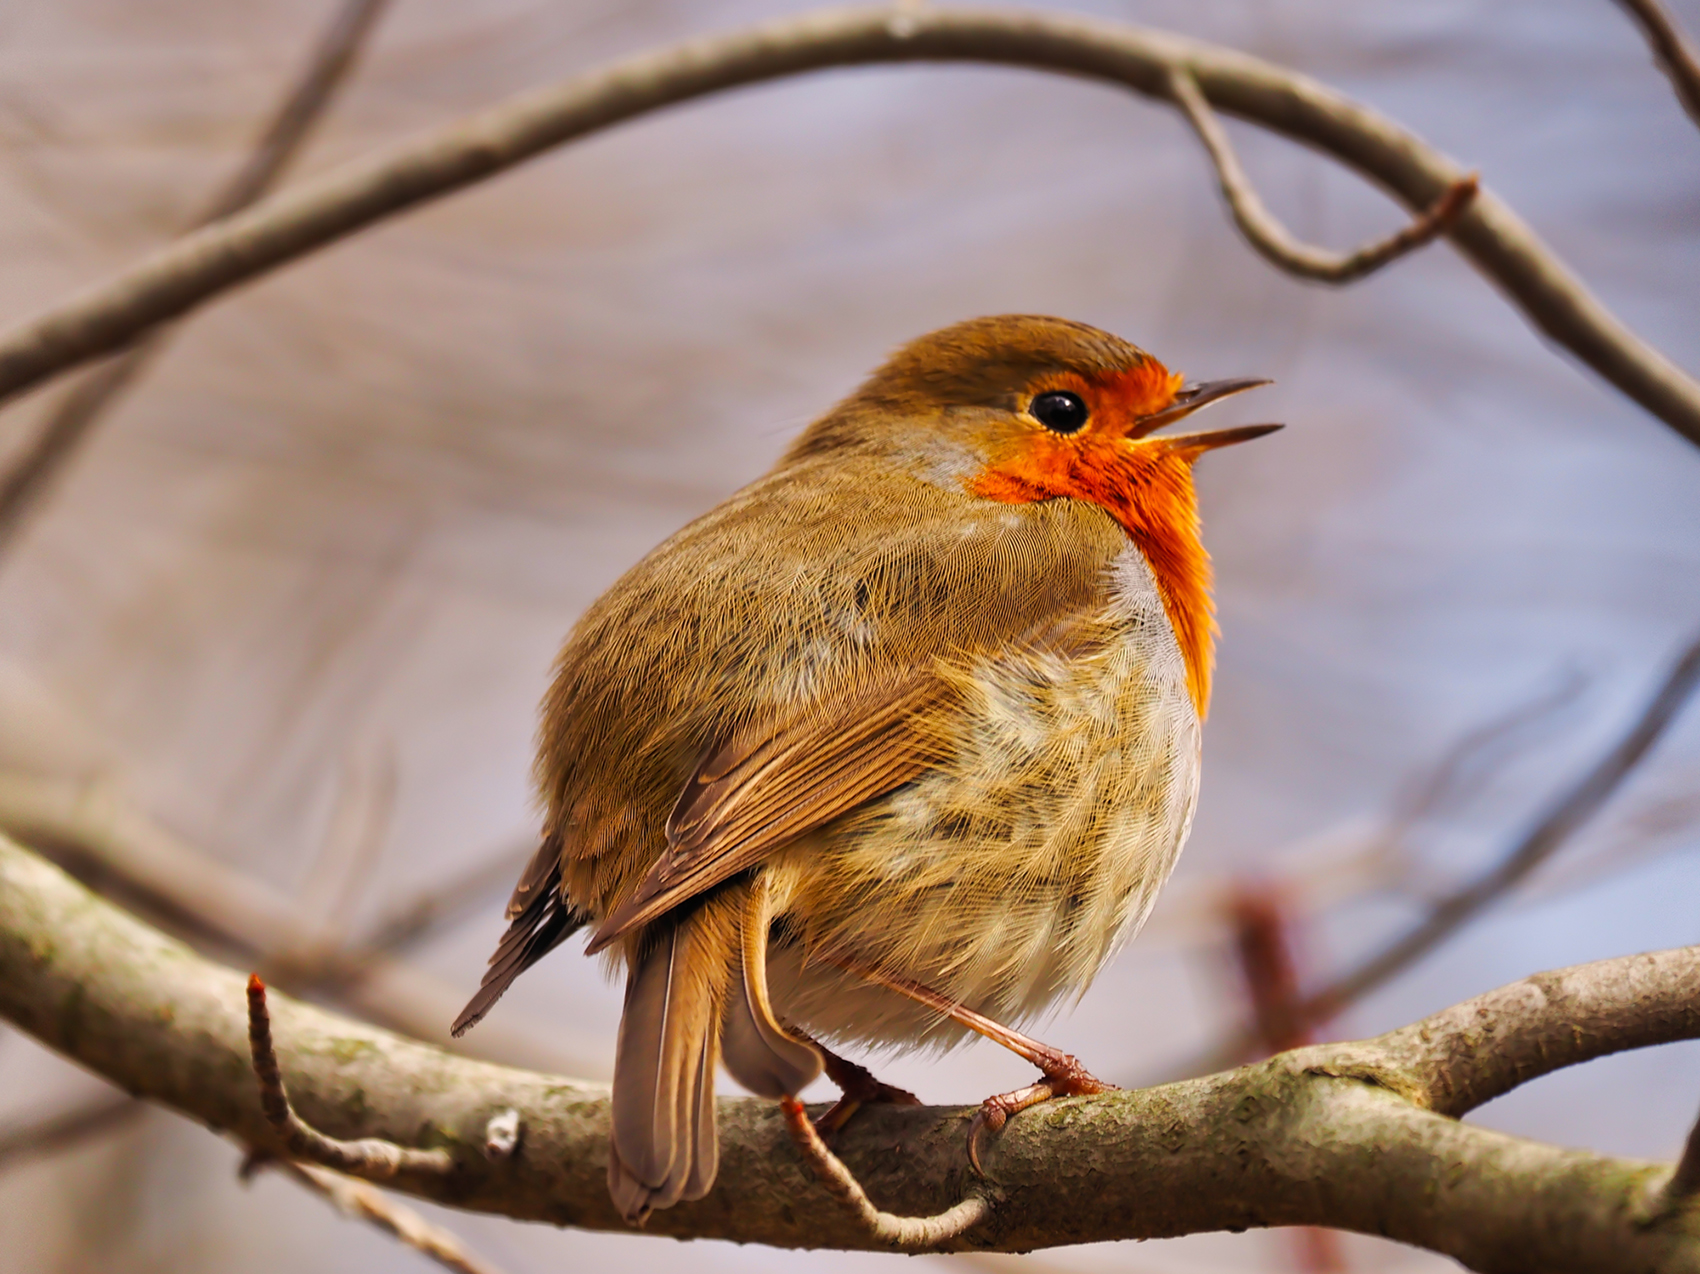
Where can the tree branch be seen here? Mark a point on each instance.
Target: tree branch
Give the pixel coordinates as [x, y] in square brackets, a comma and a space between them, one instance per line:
[68, 1128]
[1349, 1136]
[1570, 810]
[180, 277]
[91, 828]
[1674, 55]
[90, 398]
[1272, 240]
[360, 1201]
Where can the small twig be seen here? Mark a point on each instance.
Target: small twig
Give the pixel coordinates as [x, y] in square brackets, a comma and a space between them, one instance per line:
[356, 1199]
[1272, 240]
[68, 1128]
[367, 1157]
[331, 206]
[92, 396]
[911, 1233]
[1674, 55]
[1684, 1183]
[1564, 818]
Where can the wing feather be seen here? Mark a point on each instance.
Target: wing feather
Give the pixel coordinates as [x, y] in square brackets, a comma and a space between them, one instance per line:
[768, 785]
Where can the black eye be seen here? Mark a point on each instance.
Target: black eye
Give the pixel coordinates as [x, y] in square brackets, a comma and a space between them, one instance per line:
[1059, 411]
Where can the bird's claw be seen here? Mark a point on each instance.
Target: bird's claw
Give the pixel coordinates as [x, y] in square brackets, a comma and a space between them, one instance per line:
[1068, 1078]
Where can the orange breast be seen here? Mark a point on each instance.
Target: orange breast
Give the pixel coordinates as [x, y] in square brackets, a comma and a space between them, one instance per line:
[1148, 489]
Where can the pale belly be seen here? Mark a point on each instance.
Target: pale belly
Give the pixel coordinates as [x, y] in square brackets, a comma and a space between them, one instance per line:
[1006, 878]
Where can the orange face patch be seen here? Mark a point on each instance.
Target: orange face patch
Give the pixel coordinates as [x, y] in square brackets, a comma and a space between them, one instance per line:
[1145, 484]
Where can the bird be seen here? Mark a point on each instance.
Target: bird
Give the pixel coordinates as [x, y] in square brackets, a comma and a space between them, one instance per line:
[893, 747]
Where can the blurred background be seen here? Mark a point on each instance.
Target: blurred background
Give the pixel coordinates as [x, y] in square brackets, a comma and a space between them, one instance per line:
[276, 636]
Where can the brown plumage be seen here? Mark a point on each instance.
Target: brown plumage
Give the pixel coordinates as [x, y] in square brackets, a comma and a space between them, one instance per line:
[907, 727]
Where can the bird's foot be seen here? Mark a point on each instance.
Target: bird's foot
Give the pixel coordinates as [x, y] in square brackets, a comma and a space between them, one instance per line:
[1064, 1077]
[859, 1089]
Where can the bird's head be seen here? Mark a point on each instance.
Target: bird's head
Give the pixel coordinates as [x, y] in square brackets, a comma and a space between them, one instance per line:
[1022, 408]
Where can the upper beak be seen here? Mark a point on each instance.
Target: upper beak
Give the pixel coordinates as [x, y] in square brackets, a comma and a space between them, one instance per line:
[1190, 399]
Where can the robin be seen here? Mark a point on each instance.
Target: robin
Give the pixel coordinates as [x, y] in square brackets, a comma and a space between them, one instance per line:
[894, 746]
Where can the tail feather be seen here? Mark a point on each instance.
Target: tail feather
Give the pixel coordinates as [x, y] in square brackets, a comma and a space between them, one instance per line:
[664, 1146]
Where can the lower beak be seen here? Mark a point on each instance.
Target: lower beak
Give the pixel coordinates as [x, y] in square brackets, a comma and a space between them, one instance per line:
[1199, 443]
[1190, 399]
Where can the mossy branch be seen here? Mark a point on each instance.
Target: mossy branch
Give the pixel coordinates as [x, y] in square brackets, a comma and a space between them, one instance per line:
[1359, 1136]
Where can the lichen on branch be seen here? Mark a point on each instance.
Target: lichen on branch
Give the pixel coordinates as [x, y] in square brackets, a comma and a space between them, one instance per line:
[1355, 1136]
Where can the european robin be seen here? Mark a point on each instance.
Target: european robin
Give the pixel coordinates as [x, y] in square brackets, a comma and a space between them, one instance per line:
[896, 744]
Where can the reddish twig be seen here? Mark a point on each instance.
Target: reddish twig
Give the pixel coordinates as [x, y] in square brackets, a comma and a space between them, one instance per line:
[367, 1157]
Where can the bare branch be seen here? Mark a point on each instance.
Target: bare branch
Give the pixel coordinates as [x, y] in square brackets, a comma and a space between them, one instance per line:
[371, 1157]
[1568, 813]
[1353, 1136]
[363, 1202]
[1674, 54]
[320, 211]
[904, 1233]
[91, 828]
[1570, 810]
[1272, 240]
[68, 1128]
[90, 398]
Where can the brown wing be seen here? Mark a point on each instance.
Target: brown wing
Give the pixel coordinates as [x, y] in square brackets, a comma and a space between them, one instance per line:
[768, 785]
[539, 920]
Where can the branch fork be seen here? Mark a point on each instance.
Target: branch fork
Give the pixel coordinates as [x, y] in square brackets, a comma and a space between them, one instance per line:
[371, 1158]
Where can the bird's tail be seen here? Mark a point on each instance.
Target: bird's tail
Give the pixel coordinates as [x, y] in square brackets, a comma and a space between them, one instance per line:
[664, 1145]
[697, 977]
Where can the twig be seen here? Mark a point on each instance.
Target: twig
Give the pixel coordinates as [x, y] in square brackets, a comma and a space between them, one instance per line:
[1569, 812]
[319, 211]
[367, 1157]
[1567, 815]
[1272, 240]
[354, 1198]
[1684, 1183]
[22, 484]
[1674, 55]
[909, 1233]
[66, 1129]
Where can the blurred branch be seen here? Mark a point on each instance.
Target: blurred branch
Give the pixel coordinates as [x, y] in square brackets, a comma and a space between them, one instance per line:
[1272, 240]
[77, 413]
[1362, 1136]
[91, 828]
[99, 1115]
[357, 1199]
[314, 213]
[1674, 55]
[1569, 812]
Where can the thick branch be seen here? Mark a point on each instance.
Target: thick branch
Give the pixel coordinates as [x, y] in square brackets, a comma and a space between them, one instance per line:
[1331, 1135]
[94, 830]
[178, 278]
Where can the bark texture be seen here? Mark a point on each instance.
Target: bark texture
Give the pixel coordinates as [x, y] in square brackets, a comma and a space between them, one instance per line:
[1354, 1136]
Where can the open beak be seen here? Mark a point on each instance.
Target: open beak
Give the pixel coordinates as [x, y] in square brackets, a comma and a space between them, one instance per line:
[1199, 443]
[1189, 400]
